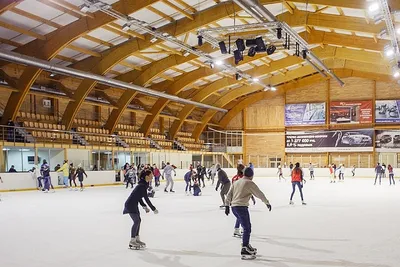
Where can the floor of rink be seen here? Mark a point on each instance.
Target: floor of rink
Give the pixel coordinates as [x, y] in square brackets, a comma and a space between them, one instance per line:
[351, 224]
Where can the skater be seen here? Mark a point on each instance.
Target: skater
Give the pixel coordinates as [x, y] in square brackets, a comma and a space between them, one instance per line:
[45, 173]
[332, 174]
[225, 183]
[251, 166]
[157, 174]
[378, 173]
[297, 180]
[201, 175]
[130, 177]
[280, 172]
[131, 208]
[334, 170]
[239, 175]
[353, 170]
[196, 188]
[188, 179]
[79, 173]
[65, 170]
[342, 169]
[35, 174]
[167, 171]
[213, 172]
[72, 176]
[311, 169]
[291, 167]
[238, 198]
[391, 174]
[383, 170]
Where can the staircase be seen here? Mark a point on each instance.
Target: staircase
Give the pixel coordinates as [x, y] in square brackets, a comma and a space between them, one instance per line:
[178, 146]
[120, 142]
[78, 139]
[153, 143]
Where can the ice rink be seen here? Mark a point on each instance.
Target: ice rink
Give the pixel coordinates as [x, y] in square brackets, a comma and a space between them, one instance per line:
[352, 224]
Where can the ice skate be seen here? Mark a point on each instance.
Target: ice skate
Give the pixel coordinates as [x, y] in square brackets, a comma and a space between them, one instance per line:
[142, 244]
[82, 189]
[133, 244]
[252, 249]
[247, 253]
[165, 190]
[291, 203]
[237, 233]
[222, 207]
[46, 191]
[303, 203]
[172, 191]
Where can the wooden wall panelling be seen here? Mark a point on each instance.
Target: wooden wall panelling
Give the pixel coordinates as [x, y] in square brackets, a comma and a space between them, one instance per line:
[319, 160]
[355, 89]
[271, 144]
[387, 90]
[349, 159]
[311, 93]
[236, 123]
[266, 114]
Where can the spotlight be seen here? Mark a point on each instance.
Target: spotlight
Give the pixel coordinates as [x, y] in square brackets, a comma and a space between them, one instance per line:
[200, 40]
[240, 45]
[222, 47]
[238, 56]
[126, 27]
[84, 8]
[396, 74]
[165, 34]
[260, 43]
[389, 52]
[271, 49]
[186, 54]
[382, 33]
[273, 88]
[256, 80]
[373, 7]
[304, 54]
[238, 77]
[219, 63]
[52, 75]
[212, 65]
[153, 40]
[252, 51]
[251, 42]
[279, 33]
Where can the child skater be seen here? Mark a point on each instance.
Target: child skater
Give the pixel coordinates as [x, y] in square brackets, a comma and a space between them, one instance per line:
[79, 173]
[297, 180]
[130, 177]
[131, 207]
[238, 198]
[280, 172]
[196, 188]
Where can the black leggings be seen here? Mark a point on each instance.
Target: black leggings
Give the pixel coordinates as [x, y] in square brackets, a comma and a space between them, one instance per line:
[391, 178]
[72, 180]
[129, 182]
[294, 190]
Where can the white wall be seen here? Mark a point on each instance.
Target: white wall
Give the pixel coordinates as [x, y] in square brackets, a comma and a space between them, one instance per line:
[79, 156]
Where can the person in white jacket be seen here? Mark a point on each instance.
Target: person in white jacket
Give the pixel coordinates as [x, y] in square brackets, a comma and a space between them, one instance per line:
[167, 173]
[35, 174]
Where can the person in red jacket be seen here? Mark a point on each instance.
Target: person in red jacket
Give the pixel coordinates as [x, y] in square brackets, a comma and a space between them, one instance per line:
[297, 180]
[391, 174]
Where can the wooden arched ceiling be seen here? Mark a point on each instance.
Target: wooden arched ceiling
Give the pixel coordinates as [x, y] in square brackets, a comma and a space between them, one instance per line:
[343, 36]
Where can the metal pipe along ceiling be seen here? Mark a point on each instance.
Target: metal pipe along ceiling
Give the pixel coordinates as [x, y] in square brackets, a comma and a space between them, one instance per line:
[51, 67]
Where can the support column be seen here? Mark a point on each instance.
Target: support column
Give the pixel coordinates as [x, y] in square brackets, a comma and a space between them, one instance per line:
[2, 160]
[36, 159]
[161, 125]
[244, 122]
[373, 119]
[202, 159]
[65, 154]
[112, 159]
[328, 104]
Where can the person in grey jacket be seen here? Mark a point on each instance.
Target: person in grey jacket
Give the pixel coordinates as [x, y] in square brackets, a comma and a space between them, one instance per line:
[225, 183]
[167, 173]
[378, 172]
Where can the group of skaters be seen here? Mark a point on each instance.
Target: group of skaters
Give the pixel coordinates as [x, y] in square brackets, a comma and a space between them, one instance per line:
[68, 172]
[380, 172]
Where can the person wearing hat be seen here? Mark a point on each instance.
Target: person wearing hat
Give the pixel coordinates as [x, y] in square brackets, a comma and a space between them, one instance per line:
[297, 180]
[225, 183]
[238, 198]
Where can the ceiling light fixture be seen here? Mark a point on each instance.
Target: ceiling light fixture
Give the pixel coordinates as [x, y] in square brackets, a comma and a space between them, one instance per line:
[256, 80]
[219, 63]
[374, 7]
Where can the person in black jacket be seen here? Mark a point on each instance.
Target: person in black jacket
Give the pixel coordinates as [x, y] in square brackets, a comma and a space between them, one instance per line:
[225, 183]
[131, 207]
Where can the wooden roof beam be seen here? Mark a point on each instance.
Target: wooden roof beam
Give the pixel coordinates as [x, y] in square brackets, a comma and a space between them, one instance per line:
[159, 13]
[84, 50]
[183, 12]
[22, 30]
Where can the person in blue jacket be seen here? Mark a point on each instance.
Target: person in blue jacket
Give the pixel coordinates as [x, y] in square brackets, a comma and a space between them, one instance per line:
[131, 207]
[188, 178]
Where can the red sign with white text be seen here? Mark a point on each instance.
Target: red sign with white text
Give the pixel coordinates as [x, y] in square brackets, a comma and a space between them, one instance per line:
[344, 112]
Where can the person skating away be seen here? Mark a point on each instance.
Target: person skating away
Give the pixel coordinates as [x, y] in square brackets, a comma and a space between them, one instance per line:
[280, 172]
[65, 170]
[239, 175]
[238, 198]
[311, 169]
[378, 173]
[341, 172]
[332, 174]
[297, 180]
[72, 176]
[353, 170]
[391, 175]
[131, 208]
[157, 174]
[167, 173]
[225, 183]
[79, 173]
[130, 177]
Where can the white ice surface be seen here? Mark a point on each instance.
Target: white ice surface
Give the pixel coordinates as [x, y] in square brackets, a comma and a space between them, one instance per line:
[350, 224]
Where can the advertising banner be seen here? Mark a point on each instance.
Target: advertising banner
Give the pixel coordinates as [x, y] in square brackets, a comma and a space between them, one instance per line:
[387, 141]
[330, 141]
[341, 112]
[387, 111]
[305, 114]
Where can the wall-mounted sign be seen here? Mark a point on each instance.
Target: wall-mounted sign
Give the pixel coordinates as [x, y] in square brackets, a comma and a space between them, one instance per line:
[387, 141]
[305, 114]
[342, 112]
[387, 111]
